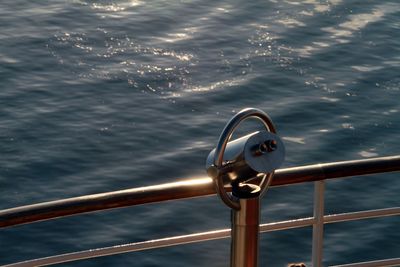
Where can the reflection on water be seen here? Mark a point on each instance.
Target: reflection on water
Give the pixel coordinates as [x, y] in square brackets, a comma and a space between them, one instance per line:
[355, 23]
[104, 95]
[109, 6]
[100, 55]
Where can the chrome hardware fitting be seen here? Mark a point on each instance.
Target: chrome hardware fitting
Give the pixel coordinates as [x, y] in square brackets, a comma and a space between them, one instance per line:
[247, 164]
[236, 162]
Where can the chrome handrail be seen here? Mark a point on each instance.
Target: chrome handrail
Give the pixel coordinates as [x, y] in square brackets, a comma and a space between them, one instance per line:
[187, 189]
[203, 187]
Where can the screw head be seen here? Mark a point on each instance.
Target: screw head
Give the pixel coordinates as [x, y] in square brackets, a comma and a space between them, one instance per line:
[272, 145]
[268, 146]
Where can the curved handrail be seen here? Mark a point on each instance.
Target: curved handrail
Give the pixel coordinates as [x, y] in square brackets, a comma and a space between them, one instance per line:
[187, 189]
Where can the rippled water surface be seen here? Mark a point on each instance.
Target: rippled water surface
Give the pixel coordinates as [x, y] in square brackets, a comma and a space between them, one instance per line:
[105, 95]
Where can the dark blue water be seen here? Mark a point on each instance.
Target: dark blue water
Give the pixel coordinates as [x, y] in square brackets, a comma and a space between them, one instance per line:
[104, 95]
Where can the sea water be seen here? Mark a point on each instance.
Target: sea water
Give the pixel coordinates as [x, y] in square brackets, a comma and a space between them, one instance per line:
[103, 95]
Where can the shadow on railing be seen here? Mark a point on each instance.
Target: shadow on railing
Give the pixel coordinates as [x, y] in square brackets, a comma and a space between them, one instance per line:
[317, 173]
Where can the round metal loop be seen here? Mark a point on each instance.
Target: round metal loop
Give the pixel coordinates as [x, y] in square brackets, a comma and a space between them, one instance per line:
[224, 138]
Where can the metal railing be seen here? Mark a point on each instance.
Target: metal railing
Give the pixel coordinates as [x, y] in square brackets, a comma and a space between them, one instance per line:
[317, 173]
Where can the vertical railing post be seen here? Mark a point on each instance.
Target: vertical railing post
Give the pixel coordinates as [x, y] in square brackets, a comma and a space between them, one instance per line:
[318, 226]
[245, 232]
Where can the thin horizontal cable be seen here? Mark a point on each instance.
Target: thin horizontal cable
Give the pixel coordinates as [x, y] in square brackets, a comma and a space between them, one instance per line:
[199, 237]
[119, 249]
[378, 263]
[359, 215]
[157, 243]
[285, 225]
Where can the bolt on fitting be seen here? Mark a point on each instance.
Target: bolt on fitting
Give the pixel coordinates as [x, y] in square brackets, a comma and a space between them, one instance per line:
[265, 147]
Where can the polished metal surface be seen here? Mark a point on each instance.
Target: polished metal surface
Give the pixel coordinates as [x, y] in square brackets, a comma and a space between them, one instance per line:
[318, 226]
[245, 229]
[268, 155]
[239, 162]
[378, 263]
[218, 162]
[234, 123]
[234, 163]
[187, 189]
[251, 154]
[204, 236]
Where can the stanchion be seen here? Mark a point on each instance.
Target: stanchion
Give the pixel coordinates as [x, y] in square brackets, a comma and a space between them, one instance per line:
[245, 228]
[237, 163]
